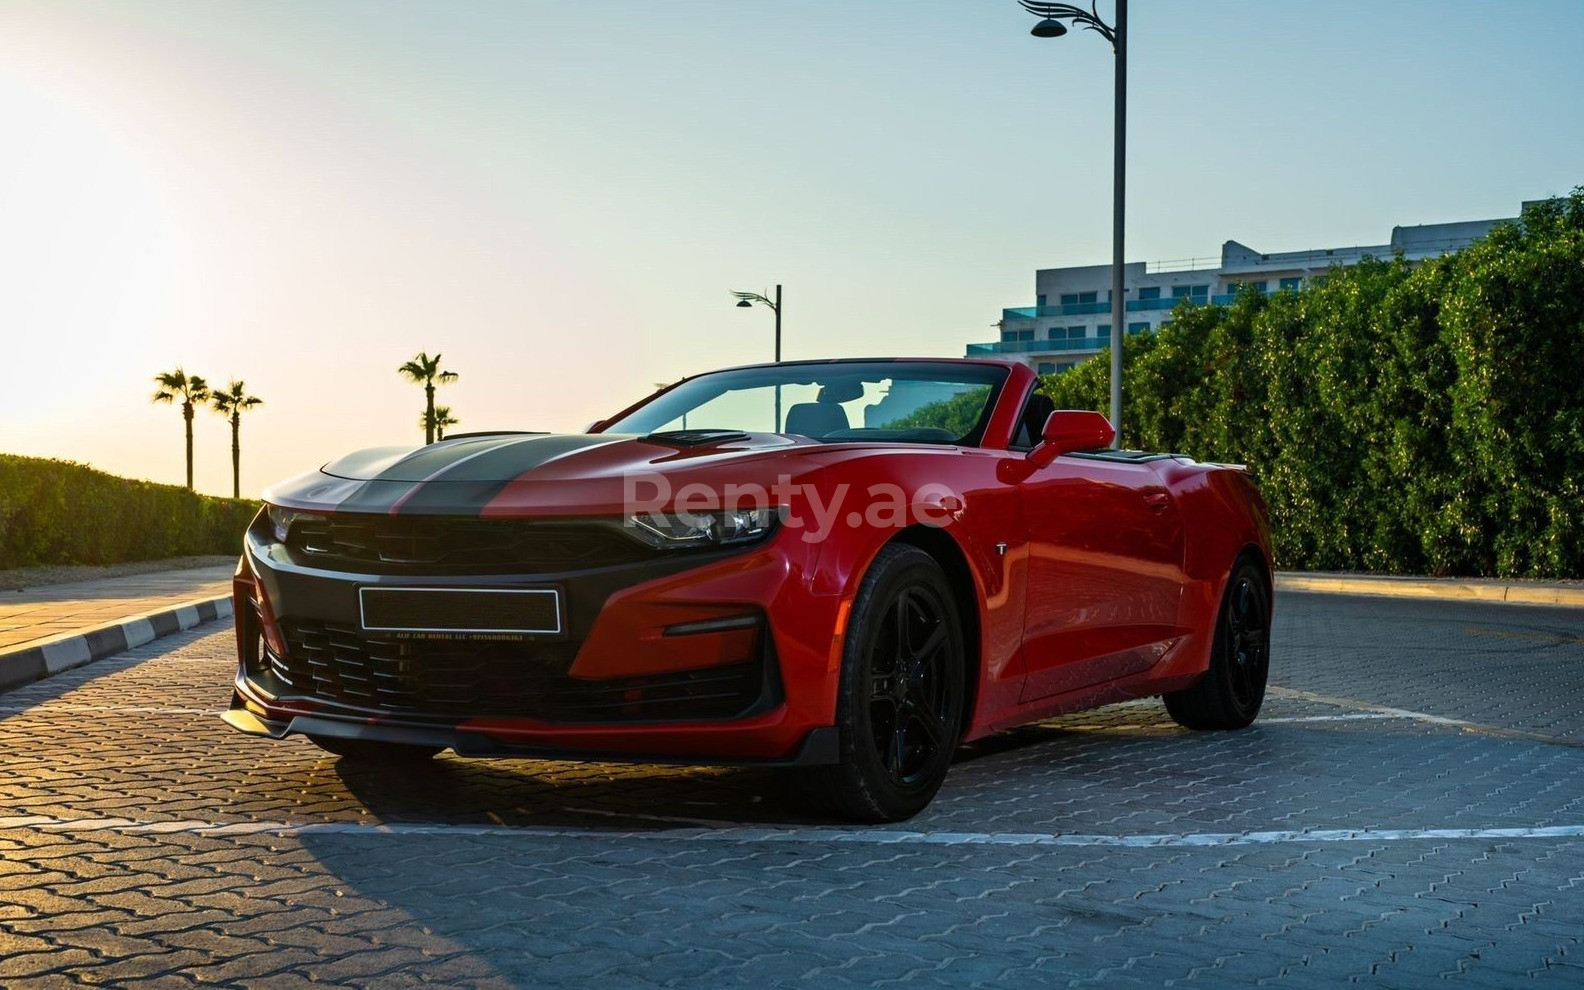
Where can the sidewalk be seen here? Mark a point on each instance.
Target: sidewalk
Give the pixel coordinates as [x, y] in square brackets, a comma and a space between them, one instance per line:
[46, 630]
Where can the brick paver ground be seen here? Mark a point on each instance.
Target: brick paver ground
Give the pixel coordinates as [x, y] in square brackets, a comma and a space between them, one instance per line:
[1409, 811]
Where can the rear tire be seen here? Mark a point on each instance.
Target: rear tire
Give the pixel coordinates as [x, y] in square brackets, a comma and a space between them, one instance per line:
[374, 752]
[1230, 693]
[900, 703]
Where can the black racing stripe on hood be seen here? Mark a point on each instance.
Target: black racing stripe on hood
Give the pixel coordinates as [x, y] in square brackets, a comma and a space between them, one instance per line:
[427, 461]
[468, 480]
[376, 496]
[473, 484]
[512, 456]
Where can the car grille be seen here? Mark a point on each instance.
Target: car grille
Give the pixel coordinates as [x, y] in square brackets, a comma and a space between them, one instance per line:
[454, 679]
[444, 545]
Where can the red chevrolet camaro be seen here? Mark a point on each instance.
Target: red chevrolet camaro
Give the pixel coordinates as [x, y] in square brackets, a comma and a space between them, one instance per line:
[843, 568]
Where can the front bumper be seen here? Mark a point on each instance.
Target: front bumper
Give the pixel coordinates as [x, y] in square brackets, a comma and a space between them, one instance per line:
[819, 746]
[621, 661]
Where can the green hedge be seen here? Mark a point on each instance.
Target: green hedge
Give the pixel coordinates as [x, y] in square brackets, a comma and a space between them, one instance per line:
[1399, 419]
[58, 512]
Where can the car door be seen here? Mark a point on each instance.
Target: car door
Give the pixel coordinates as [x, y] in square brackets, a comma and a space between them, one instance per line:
[1105, 571]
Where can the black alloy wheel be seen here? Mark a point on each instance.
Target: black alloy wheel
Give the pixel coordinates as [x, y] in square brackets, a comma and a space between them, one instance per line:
[909, 700]
[1230, 694]
[900, 708]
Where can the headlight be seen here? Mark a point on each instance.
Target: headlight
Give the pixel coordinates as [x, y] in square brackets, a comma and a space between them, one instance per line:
[669, 530]
[282, 519]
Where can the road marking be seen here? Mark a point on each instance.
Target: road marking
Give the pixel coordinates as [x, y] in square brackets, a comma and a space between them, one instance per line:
[1354, 717]
[1173, 726]
[817, 834]
[1456, 723]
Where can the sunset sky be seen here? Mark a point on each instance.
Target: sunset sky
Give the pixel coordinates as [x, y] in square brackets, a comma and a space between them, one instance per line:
[559, 196]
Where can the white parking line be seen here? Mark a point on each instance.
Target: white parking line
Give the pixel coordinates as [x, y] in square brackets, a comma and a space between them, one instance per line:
[1454, 723]
[820, 835]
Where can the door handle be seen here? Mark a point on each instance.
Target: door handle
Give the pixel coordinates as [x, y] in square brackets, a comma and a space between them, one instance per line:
[1157, 500]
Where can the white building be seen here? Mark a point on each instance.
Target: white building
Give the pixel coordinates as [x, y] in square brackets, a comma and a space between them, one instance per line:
[1071, 315]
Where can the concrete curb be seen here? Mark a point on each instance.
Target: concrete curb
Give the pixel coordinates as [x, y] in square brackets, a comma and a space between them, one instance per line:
[34, 663]
[1435, 589]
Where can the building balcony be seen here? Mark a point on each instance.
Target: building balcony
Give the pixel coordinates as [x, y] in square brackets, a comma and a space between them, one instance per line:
[1056, 348]
[1086, 309]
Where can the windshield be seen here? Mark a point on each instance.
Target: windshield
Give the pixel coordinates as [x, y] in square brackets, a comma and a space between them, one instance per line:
[892, 401]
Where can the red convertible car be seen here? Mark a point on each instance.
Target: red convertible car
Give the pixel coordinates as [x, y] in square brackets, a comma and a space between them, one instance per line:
[843, 568]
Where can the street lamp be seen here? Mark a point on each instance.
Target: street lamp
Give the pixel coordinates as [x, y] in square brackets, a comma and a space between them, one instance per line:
[1050, 26]
[745, 300]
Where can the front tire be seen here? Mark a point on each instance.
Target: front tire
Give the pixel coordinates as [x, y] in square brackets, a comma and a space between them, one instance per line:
[900, 702]
[373, 752]
[1230, 693]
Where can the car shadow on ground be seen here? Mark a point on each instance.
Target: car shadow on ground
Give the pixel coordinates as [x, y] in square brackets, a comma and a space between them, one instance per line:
[627, 797]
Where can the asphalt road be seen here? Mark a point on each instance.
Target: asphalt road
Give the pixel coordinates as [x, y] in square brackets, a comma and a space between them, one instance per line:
[1409, 808]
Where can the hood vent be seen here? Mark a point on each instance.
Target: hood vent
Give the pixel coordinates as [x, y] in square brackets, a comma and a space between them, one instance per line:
[695, 438]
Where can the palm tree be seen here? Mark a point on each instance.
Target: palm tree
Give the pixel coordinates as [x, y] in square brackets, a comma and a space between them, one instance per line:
[442, 419]
[425, 370]
[190, 389]
[231, 403]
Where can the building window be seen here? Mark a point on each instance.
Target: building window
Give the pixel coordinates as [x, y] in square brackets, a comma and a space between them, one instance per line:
[1025, 335]
[1041, 299]
[1260, 287]
[1069, 299]
[1152, 292]
[1066, 366]
[1291, 283]
[1137, 327]
[1103, 331]
[1007, 336]
[1199, 291]
[1047, 367]
[1087, 297]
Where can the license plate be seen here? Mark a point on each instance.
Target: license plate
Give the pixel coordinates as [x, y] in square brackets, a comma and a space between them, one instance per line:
[510, 611]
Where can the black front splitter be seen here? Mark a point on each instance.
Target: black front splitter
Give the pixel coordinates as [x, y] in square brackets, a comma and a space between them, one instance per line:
[819, 747]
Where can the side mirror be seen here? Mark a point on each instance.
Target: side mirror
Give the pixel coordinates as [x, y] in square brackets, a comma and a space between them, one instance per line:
[1068, 430]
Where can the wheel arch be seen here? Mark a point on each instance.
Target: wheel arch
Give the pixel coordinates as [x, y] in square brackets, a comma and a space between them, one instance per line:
[943, 547]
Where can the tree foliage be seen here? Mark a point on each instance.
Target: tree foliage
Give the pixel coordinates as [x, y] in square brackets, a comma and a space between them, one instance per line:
[1399, 419]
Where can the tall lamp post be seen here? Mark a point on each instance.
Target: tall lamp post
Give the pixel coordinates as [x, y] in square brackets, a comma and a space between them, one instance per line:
[1050, 26]
[746, 300]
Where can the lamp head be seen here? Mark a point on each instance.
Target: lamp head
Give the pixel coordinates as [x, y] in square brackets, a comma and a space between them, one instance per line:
[1049, 28]
[744, 304]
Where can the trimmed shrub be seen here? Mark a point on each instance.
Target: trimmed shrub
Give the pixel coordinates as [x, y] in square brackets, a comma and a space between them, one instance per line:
[58, 512]
[1399, 419]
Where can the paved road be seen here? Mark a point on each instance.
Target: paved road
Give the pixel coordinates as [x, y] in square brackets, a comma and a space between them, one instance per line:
[1410, 807]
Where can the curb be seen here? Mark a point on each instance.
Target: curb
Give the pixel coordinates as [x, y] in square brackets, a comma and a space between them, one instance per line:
[35, 663]
[1434, 589]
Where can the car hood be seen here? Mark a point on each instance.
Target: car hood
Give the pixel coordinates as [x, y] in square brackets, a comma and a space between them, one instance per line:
[544, 473]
